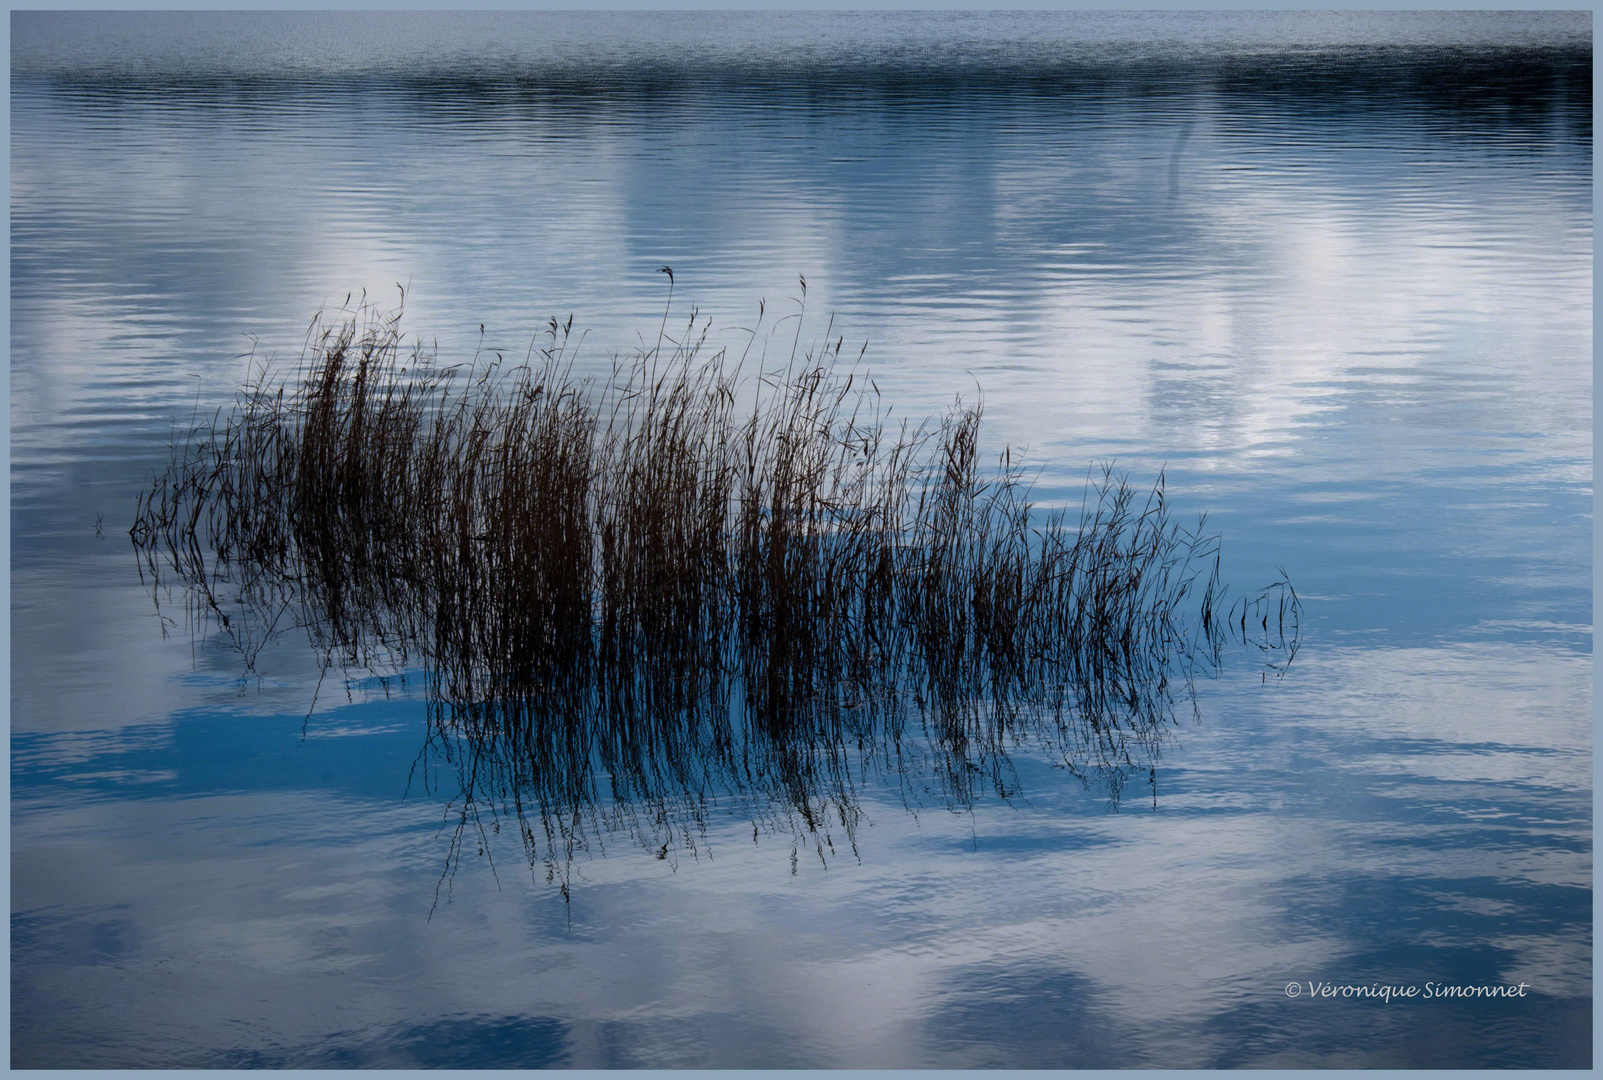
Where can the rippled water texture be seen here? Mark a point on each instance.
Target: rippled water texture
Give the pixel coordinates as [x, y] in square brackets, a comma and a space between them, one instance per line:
[1331, 273]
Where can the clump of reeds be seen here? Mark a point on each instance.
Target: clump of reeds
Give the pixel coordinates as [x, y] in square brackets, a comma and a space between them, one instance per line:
[637, 597]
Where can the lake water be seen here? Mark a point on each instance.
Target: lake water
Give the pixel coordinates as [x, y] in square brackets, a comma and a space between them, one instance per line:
[1333, 273]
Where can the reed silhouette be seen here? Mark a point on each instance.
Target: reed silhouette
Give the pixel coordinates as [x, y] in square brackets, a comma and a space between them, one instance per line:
[639, 599]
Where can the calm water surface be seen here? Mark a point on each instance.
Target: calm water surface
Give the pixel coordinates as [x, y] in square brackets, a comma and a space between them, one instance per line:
[1332, 272]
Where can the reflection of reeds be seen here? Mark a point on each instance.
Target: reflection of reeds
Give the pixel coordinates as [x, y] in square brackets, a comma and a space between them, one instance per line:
[636, 599]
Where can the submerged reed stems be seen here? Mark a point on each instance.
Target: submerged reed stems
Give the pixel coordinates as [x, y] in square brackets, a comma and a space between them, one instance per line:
[638, 597]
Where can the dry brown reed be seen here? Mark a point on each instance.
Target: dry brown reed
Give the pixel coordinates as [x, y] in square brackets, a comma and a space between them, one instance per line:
[638, 598]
